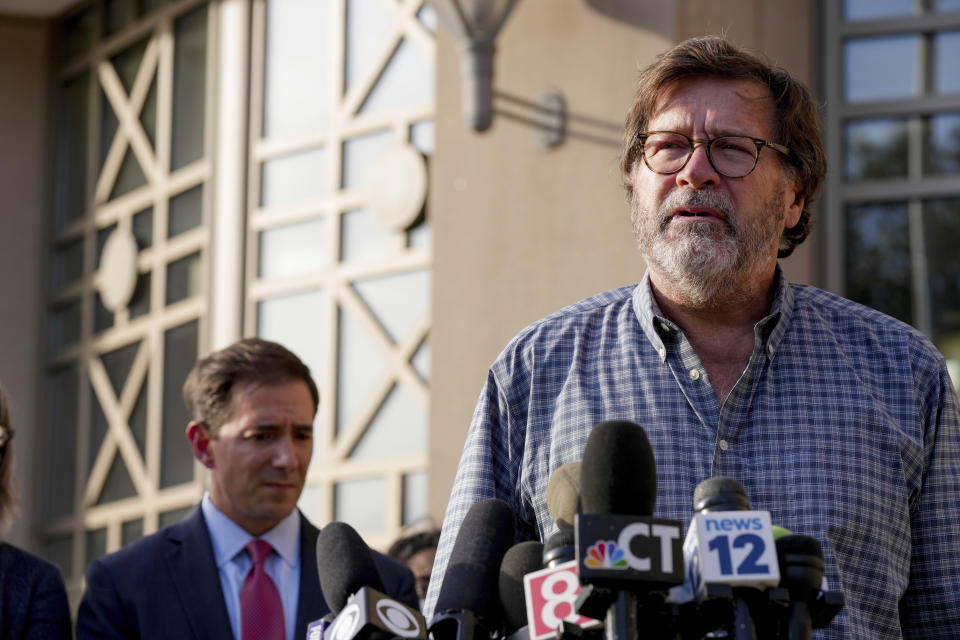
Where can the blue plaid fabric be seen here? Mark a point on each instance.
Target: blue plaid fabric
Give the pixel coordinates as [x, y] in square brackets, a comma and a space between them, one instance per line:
[844, 425]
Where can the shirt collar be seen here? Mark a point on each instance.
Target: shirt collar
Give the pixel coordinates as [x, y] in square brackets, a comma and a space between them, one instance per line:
[656, 326]
[229, 538]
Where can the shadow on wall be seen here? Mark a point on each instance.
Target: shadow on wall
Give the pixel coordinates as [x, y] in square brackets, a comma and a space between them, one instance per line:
[638, 13]
[538, 115]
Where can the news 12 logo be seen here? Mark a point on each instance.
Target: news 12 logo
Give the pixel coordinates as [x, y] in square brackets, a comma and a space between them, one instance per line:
[737, 548]
[614, 549]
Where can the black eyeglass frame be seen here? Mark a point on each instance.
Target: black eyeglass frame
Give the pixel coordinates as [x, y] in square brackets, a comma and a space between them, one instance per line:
[707, 142]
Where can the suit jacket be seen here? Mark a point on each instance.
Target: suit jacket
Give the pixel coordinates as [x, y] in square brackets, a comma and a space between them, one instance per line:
[167, 586]
[33, 601]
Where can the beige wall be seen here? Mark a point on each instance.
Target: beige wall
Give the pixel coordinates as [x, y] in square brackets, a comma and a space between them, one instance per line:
[518, 231]
[521, 232]
[23, 101]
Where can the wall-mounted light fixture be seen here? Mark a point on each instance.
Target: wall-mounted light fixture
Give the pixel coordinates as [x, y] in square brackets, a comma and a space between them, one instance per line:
[475, 24]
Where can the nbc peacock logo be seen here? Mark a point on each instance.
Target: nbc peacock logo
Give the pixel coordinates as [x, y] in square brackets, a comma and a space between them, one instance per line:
[604, 554]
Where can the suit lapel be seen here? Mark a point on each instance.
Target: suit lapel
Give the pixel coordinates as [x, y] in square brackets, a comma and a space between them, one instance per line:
[311, 605]
[189, 558]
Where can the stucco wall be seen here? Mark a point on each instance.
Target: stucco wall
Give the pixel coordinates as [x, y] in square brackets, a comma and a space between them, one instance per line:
[23, 102]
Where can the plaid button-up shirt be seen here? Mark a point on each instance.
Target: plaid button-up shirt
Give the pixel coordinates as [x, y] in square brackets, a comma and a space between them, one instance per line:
[844, 425]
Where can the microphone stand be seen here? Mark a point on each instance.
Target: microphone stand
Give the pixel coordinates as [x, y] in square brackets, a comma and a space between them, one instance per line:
[621, 619]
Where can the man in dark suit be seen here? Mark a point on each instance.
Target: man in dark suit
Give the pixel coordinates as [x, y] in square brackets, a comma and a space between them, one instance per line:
[243, 564]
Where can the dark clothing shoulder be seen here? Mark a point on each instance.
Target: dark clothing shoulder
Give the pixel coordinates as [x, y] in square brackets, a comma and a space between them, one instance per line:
[33, 604]
[167, 586]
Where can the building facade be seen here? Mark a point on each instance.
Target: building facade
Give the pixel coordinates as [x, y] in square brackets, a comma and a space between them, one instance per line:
[182, 173]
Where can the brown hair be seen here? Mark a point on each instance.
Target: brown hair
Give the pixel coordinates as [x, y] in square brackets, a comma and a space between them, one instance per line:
[408, 546]
[207, 390]
[796, 123]
[8, 491]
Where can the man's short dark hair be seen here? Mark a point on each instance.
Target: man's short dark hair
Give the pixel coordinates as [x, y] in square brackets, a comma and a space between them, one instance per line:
[208, 388]
[796, 114]
[408, 546]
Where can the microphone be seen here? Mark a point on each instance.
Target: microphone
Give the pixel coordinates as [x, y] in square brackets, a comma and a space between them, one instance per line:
[730, 554]
[519, 560]
[551, 593]
[563, 503]
[353, 589]
[801, 574]
[622, 552]
[344, 564]
[467, 603]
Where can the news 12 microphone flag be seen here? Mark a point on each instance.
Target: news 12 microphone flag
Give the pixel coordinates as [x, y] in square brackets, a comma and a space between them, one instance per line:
[734, 548]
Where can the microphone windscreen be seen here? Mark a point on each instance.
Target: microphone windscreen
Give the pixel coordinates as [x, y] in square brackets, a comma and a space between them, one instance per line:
[519, 560]
[801, 564]
[563, 494]
[344, 564]
[720, 493]
[618, 474]
[470, 581]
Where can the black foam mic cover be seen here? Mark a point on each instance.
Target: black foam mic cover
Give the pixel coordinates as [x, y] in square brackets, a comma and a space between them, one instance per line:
[801, 565]
[470, 581]
[344, 564]
[519, 560]
[618, 474]
[720, 493]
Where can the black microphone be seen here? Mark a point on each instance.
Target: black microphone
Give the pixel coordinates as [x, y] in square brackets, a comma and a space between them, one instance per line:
[519, 560]
[354, 591]
[801, 573]
[563, 503]
[623, 553]
[344, 564]
[467, 604]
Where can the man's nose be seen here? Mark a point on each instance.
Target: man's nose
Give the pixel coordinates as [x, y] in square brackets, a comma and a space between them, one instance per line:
[699, 171]
[283, 453]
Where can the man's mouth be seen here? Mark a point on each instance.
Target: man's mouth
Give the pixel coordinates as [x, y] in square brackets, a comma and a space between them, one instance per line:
[697, 212]
[278, 485]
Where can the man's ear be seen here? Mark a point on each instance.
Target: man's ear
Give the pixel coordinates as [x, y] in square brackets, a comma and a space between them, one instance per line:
[794, 202]
[200, 438]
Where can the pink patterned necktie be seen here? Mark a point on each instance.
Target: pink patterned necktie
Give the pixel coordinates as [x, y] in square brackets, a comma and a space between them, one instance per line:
[261, 611]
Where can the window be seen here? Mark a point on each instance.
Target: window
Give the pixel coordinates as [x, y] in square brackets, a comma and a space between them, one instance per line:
[892, 202]
[342, 90]
[128, 243]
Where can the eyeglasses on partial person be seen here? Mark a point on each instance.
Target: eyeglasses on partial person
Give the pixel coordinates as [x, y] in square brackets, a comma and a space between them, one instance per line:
[667, 152]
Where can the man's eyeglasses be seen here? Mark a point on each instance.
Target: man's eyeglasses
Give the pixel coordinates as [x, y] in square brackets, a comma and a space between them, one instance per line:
[6, 435]
[667, 152]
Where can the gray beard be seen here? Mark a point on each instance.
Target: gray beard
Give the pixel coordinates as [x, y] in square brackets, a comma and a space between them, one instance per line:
[706, 263]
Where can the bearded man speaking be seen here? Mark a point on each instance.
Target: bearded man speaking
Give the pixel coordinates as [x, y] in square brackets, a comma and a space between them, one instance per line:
[840, 421]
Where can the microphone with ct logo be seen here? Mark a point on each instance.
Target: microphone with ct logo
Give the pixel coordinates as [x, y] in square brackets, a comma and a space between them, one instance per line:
[354, 591]
[626, 559]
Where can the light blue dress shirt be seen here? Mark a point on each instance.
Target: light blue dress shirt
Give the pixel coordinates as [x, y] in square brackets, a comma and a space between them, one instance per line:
[229, 542]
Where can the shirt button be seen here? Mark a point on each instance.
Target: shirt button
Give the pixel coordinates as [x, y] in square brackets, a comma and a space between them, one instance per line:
[662, 352]
[770, 348]
[694, 374]
[724, 445]
[665, 326]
